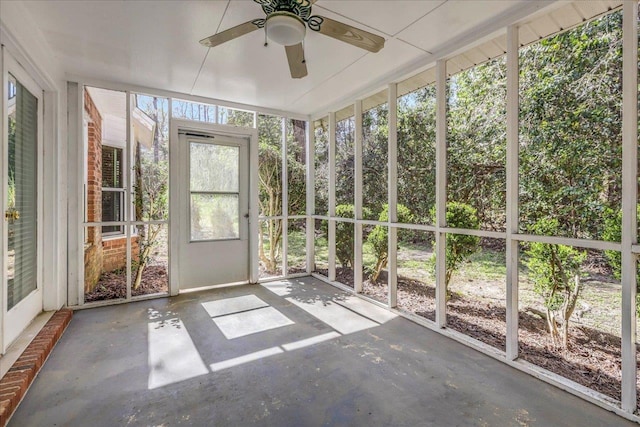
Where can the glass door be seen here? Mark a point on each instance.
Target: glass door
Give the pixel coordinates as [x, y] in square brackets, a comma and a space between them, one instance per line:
[21, 146]
[214, 210]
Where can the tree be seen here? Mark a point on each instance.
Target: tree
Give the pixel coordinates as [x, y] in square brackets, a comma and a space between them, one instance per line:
[417, 151]
[571, 93]
[375, 158]
[459, 247]
[151, 186]
[270, 188]
[270, 140]
[379, 238]
[476, 138]
[555, 273]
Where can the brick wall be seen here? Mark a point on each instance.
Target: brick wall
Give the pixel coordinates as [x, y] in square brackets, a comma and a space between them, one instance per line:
[100, 255]
[93, 253]
[115, 252]
[14, 384]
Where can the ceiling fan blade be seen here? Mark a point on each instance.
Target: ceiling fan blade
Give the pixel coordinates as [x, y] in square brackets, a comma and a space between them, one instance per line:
[230, 34]
[348, 34]
[297, 64]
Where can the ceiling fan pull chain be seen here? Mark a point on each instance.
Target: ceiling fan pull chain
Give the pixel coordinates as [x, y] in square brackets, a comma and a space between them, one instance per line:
[266, 43]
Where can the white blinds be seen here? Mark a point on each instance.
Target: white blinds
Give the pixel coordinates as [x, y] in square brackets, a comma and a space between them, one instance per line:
[22, 199]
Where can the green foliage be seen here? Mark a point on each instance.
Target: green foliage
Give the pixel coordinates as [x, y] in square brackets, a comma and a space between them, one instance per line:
[417, 151]
[571, 93]
[375, 141]
[379, 237]
[613, 233]
[321, 163]
[459, 247]
[476, 136]
[555, 273]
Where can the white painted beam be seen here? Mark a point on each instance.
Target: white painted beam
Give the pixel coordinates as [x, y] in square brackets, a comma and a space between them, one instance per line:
[285, 200]
[358, 237]
[392, 152]
[332, 197]
[441, 190]
[629, 200]
[512, 191]
[311, 198]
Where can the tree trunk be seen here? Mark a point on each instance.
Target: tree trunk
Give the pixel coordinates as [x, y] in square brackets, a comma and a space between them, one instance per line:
[380, 265]
[143, 259]
[568, 308]
[552, 324]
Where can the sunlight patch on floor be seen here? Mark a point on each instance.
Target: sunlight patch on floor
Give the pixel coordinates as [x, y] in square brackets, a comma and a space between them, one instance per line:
[173, 356]
[251, 322]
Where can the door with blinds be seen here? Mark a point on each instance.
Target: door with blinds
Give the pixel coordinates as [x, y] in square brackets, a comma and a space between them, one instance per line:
[22, 295]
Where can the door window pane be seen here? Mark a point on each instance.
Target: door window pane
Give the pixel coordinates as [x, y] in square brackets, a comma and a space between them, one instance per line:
[214, 216]
[214, 167]
[22, 192]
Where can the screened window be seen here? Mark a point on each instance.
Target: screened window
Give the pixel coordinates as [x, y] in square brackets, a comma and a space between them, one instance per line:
[112, 189]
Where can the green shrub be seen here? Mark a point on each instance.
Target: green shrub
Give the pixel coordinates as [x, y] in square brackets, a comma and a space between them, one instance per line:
[613, 233]
[555, 273]
[459, 247]
[345, 234]
[379, 236]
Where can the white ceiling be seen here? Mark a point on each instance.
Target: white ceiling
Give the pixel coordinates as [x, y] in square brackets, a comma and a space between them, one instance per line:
[155, 44]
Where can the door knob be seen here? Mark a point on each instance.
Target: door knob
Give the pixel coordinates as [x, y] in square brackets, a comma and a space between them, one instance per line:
[246, 215]
[11, 214]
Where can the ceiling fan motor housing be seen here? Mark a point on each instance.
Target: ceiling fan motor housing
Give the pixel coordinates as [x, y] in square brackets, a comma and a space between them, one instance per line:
[285, 28]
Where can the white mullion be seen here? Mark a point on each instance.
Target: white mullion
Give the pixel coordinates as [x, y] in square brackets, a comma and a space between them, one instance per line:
[512, 192]
[285, 201]
[357, 229]
[170, 273]
[311, 197]
[441, 190]
[128, 212]
[75, 190]
[392, 152]
[332, 197]
[629, 201]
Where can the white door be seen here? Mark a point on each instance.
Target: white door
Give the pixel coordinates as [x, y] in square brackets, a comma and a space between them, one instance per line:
[21, 168]
[213, 210]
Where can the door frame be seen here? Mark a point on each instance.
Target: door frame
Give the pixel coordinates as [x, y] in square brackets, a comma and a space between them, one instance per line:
[24, 311]
[180, 125]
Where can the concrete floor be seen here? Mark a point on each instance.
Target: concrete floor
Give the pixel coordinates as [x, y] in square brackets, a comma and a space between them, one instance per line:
[298, 353]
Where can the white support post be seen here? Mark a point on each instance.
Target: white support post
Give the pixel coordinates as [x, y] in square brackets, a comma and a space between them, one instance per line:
[512, 192]
[285, 201]
[332, 197]
[128, 195]
[629, 200]
[357, 229]
[76, 202]
[311, 198]
[441, 191]
[392, 152]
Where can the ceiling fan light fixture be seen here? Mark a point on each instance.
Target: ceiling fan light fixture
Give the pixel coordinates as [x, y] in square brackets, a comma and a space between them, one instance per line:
[285, 28]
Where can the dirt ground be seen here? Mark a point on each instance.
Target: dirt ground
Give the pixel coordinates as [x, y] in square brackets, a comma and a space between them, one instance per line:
[593, 358]
[113, 285]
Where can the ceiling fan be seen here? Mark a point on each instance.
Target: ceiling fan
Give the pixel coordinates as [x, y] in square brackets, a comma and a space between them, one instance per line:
[285, 24]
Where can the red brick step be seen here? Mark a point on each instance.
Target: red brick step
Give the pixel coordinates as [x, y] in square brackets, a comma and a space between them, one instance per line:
[16, 382]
